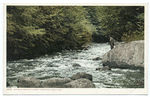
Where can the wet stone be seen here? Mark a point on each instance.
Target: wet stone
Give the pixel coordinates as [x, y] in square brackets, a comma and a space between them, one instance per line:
[82, 75]
[76, 65]
[55, 82]
[75, 58]
[80, 83]
[103, 68]
[98, 58]
[28, 82]
[52, 65]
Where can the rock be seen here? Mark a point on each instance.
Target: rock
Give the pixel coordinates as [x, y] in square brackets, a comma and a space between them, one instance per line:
[46, 55]
[28, 82]
[76, 65]
[79, 50]
[103, 68]
[82, 75]
[98, 58]
[98, 68]
[8, 84]
[55, 82]
[75, 58]
[86, 48]
[128, 55]
[52, 65]
[80, 83]
[58, 53]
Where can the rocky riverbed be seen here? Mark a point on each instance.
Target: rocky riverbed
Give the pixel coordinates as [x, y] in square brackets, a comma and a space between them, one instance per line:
[67, 63]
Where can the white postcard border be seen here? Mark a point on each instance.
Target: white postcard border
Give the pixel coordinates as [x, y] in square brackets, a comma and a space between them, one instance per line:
[142, 91]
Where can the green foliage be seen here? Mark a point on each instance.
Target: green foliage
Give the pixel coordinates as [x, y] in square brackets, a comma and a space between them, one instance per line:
[94, 18]
[37, 30]
[122, 22]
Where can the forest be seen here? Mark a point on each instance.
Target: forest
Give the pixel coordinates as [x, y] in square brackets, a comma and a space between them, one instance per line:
[33, 31]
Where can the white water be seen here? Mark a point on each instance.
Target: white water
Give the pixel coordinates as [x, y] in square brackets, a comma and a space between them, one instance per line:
[60, 65]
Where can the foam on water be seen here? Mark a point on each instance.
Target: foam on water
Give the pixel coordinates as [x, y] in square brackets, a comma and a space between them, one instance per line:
[61, 65]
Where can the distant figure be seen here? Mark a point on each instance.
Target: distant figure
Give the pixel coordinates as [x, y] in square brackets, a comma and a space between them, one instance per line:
[111, 41]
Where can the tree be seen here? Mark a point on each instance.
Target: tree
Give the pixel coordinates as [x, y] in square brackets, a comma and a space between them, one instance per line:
[121, 21]
[93, 17]
[38, 30]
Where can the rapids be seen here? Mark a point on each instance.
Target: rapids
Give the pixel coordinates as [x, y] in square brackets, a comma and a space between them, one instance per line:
[60, 64]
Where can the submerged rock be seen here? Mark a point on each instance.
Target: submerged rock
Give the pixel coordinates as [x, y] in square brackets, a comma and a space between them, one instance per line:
[28, 82]
[103, 68]
[80, 83]
[82, 75]
[52, 65]
[75, 58]
[129, 55]
[76, 65]
[86, 48]
[98, 58]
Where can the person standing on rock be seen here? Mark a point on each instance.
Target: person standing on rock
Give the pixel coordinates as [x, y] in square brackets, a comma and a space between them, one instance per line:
[111, 42]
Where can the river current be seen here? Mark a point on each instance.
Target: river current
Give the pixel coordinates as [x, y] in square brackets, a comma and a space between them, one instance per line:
[60, 64]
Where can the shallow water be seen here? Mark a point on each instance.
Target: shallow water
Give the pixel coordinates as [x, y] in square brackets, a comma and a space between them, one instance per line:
[61, 65]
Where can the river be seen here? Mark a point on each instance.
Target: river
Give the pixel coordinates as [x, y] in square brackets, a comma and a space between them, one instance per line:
[61, 65]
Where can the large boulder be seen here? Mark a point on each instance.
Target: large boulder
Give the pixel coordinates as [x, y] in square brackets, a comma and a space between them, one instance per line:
[80, 83]
[79, 80]
[127, 55]
[55, 82]
[28, 82]
[82, 75]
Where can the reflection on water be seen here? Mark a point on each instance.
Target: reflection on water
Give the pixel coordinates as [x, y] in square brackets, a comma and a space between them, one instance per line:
[61, 65]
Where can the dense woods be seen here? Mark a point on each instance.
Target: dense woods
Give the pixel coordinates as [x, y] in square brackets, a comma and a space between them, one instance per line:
[124, 23]
[37, 30]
